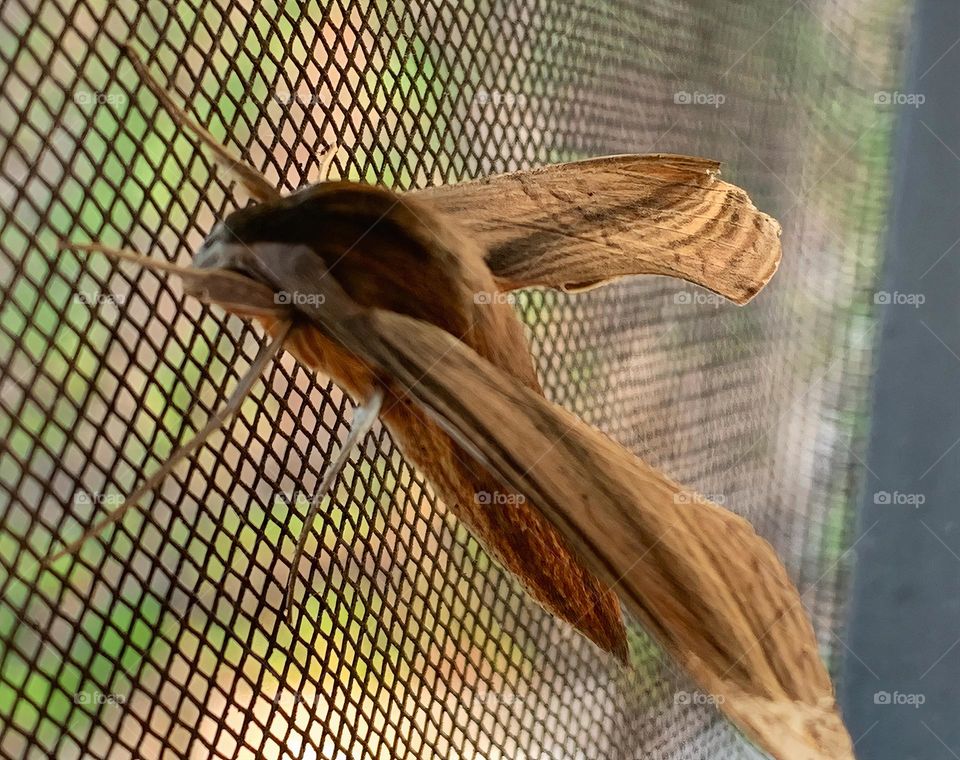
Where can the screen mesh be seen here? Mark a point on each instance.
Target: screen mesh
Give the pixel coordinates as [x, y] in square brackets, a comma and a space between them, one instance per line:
[164, 638]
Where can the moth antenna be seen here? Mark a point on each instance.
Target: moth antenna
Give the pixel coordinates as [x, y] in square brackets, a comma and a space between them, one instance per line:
[121, 254]
[231, 290]
[363, 418]
[216, 421]
[255, 183]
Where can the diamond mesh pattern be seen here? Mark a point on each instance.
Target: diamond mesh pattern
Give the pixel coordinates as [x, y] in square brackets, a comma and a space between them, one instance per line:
[164, 638]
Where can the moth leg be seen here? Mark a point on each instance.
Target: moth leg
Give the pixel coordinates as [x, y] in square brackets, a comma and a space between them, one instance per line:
[266, 354]
[326, 163]
[363, 418]
[255, 183]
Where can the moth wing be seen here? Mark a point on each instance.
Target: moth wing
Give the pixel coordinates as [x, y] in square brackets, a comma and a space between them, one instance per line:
[577, 225]
[697, 576]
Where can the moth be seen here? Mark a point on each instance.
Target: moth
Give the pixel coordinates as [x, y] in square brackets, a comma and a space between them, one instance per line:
[396, 314]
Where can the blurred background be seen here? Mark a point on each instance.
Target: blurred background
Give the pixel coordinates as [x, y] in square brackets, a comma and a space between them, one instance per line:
[164, 638]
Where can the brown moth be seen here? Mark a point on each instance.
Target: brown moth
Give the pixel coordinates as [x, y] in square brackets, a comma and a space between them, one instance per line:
[395, 320]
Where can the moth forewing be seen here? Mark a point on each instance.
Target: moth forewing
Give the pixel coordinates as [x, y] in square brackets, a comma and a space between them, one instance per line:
[710, 589]
[577, 225]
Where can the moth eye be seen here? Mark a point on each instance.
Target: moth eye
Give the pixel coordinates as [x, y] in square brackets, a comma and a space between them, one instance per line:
[205, 256]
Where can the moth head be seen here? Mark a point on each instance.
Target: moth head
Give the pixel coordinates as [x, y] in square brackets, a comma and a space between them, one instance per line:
[258, 233]
[381, 250]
